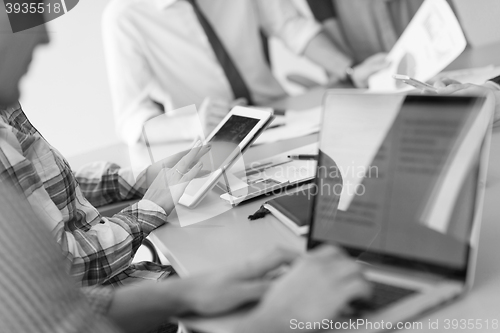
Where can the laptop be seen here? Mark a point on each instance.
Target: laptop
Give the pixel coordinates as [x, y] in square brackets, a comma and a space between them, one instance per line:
[408, 204]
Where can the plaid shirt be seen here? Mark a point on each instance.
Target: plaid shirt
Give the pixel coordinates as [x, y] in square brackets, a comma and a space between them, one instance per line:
[100, 249]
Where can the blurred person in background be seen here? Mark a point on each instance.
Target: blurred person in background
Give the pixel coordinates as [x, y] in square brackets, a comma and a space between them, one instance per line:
[362, 28]
[166, 54]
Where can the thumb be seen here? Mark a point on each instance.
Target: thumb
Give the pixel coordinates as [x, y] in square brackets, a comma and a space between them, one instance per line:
[242, 101]
[189, 176]
[439, 84]
[177, 188]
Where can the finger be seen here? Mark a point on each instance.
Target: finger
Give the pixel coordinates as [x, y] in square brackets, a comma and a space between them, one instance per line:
[203, 173]
[440, 84]
[172, 160]
[167, 162]
[467, 89]
[264, 263]
[447, 81]
[189, 159]
[197, 143]
[426, 91]
[191, 174]
[202, 152]
[251, 291]
[463, 92]
[327, 251]
[356, 289]
[177, 183]
[346, 268]
[468, 92]
[239, 102]
[452, 88]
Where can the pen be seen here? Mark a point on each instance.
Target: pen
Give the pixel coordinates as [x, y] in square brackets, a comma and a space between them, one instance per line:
[303, 157]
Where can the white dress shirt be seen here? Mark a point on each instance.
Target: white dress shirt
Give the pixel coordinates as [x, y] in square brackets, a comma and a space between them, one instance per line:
[156, 49]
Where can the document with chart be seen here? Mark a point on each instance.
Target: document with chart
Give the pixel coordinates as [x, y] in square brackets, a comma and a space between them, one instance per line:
[432, 40]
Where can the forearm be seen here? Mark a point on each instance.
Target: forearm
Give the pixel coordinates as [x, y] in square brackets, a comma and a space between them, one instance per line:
[104, 247]
[322, 51]
[145, 306]
[103, 183]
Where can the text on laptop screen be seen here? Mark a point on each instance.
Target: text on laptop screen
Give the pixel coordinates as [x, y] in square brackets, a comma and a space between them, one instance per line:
[409, 169]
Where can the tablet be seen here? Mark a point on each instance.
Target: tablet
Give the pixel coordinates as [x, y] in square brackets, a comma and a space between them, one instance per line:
[229, 139]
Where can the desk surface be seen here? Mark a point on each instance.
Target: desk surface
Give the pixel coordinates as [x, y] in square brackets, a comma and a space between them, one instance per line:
[230, 236]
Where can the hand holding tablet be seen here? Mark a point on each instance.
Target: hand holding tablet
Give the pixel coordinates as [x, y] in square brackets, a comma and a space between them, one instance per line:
[170, 181]
[230, 139]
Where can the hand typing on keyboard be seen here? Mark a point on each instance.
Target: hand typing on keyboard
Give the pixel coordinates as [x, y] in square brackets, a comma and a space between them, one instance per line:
[382, 296]
[317, 286]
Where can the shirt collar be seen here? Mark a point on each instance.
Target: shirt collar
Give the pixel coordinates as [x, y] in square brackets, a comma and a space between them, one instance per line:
[162, 4]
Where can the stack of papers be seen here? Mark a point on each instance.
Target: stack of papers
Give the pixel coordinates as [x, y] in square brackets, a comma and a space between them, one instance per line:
[297, 123]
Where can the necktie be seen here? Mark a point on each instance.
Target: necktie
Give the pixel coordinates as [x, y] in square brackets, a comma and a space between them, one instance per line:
[387, 33]
[238, 85]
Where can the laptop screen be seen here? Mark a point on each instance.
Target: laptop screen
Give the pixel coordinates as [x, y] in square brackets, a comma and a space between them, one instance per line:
[403, 171]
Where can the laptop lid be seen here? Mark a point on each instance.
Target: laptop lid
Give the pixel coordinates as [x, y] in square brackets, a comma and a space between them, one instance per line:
[407, 173]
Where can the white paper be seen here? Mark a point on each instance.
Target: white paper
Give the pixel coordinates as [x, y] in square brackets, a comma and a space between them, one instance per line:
[357, 128]
[432, 40]
[297, 123]
[439, 209]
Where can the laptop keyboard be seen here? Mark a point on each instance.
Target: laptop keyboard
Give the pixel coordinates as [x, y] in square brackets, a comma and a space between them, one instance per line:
[383, 295]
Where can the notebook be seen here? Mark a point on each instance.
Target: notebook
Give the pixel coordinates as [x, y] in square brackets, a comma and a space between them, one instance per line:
[293, 210]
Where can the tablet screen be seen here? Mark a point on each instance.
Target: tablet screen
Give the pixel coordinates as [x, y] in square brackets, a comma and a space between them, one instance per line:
[224, 143]
[229, 136]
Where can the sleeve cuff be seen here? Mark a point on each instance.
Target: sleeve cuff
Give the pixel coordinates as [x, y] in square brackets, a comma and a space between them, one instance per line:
[148, 214]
